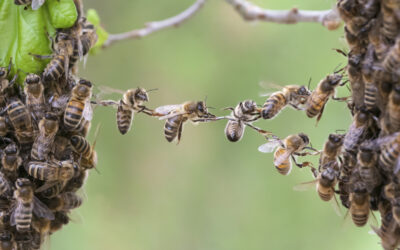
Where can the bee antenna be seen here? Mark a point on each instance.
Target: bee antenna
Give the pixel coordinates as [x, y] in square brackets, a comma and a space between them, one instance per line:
[10, 64]
[309, 83]
[211, 107]
[151, 90]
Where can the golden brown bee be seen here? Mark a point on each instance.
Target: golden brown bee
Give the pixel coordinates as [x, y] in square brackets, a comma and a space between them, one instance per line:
[78, 106]
[292, 95]
[177, 115]
[6, 241]
[27, 204]
[332, 149]
[359, 203]
[87, 153]
[291, 145]
[358, 129]
[35, 4]
[368, 162]
[242, 115]
[65, 202]
[53, 171]
[42, 146]
[20, 119]
[390, 151]
[320, 96]
[34, 90]
[11, 160]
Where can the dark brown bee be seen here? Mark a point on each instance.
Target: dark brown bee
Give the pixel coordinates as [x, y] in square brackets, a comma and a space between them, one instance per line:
[359, 204]
[34, 100]
[292, 95]
[78, 106]
[358, 129]
[393, 114]
[77, 182]
[320, 96]
[391, 63]
[5, 186]
[87, 153]
[380, 48]
[332, 149]
[6, 241]
[11, 160]
[357, 85]
[390, 151]
[347, 166]
[371, 90]
[368, 161]
[27, 204]
[20, 119]
[390, 24]
[4, 128]
[62, 148]
[65, 202]
[389, 232]
[5, 83]
[42, 146]
[61, 218]
[177, 115]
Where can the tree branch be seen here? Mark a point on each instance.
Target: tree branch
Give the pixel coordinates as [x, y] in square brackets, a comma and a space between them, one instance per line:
[250, 12]
[155, 26]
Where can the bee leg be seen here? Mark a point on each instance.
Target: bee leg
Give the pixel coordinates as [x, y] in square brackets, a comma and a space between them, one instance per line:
[228, 108]
[320, 114]
[295, 107]
[261, 131]
[316, 151]
[305, 164]
[9, 65]
[42, 57]
[340, 99]
[13, 80]
[179, 132]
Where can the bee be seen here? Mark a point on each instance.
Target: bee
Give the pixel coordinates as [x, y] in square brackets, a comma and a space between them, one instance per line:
[389, 232]
[53, 190]
[48, 128]
[319, 97]
[65, 202]
[380, 48]
[390, 24]
[5, 84]
[37, 239]
[53, 171]
[61, 148]
[368, 159]
[242, 115]
[392, 118]
[4, 128]
[5, 186]
[78, 106]
[20, 119]
[332, 149]
[357, 130]
[391, 63]
[357, 85]
[177, 115]
[11, 160]
[292, 95]
[87, 153]
[359, 203]
[371, 91]
[291, 145]
[35, 4]
[392, 193]
[390, 151]
[348, 165]
[27, 204]
[77, 182]
[61, 218]
[34, 90]
[6, 241]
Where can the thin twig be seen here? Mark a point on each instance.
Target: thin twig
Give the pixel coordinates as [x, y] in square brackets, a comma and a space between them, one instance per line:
[250, 12]
[152, 27]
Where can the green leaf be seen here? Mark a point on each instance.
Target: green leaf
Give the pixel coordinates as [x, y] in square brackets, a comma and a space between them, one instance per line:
[94, 18]
[24, 31]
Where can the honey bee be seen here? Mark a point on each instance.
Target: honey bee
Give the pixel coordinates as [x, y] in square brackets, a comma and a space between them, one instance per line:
[319, 97]
[78, 106]
[291, 145]
[389, 232]
[391, 63]
[53, 190]
[65, 202]
[368, 159]
[348, 165]
[4, 128]
[359, 203]
[177, 115]
[61, 148]
[242, 115]
[61, 218]
[11, 160]
[20, 119]
[87, 153]
[390, 24]
[392, 192]
[6, 241]
[392, 118]
[390, 151]
[48, 128]
[292, 95]
[380, 48]
[371, 91]
[5, 186]
[357, 85]
[34, 90]
[5, 84]
[357, 130]
[35, 4]
[77, 182]
[332, 149]
[53, 171]
[27, 204]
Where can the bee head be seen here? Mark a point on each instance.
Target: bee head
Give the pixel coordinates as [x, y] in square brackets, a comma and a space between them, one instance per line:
[365, 154]
[335, 138]
[201, 108]
[62, 36]
[74, 140]
[85, 82]
[362, 116]
[305, 138]
[83, 89]
[11, 149]
[32, 78]
[329, 174]
[334, 79]
[22, 182]
[303, 91]
[141, 95]
[3, 72]
[249, 105]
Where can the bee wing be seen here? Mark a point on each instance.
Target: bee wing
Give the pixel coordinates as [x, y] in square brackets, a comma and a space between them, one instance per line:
[304, 186]
[269, 146]
[166, 109]
[45, 186]
[336, 207]
[171, 115]
[88, 111]
[36, 4]
[109, 90]
[283, 157]
[13, 213]
[60, 102]
[41, 210]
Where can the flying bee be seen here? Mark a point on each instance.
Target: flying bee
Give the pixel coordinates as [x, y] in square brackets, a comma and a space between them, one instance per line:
[27, 204]
[368, 159]
[35, 4]
[292, 95]
[78, 106]
[34, 90]
[320, 96]
[357, 130]
[65, 202]
[285, 151]
[6, 241]
[359, 203]
[332, 149]
[20, 119]
[242, 115]
[177, 115]
[48, 128]
[87, 153]
[11, 160]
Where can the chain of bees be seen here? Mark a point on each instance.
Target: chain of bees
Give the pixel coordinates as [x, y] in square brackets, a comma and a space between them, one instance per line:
[45, 157]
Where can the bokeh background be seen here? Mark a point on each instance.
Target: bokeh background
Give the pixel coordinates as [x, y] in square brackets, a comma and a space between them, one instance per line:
[208, 193]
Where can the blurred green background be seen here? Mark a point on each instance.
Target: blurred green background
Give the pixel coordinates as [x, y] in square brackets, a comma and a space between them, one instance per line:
[208, 193]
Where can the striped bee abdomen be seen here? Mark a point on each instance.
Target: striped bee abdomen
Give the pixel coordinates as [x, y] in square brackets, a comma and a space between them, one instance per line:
[273, 105]
[73, 114]
[54, 69]
[234, 130]
[171, 127]
[284, 167]
[124, 118]
[23, 216]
